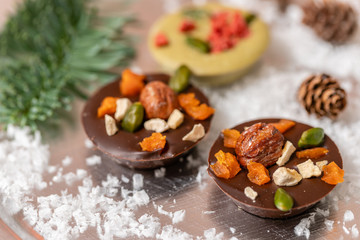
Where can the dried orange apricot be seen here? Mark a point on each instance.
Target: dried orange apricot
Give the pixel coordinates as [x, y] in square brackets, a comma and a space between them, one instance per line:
[188, 99]
[107, 106]
[155, 142]
[131, 84]
[192, 106]
[283, 125]
[258, 174]
[313, 153]
[200, 112]
[230, 137]
[226, 166]
[333, 174]
[220, 170]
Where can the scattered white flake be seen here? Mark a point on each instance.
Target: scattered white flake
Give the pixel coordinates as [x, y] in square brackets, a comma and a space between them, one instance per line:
[329, 224]
[233, 238]
[346, 230]
[160, 173]
[149, 226]
[88, 143]
[325, 213]
[354, 231]
[210, 234]
[208, 212]
[232, 230]
[192, 162]
[169, 232]
[81, 173]
[302, 229]
[125, 179]
[174, 201]
[178, 216]
[70, 178]
[58, 177]
[93, 160]
[138, 181]
[66, 161]
[51, 169]
[348, 216]
[23, 158]
[202, 174]
[111, 185]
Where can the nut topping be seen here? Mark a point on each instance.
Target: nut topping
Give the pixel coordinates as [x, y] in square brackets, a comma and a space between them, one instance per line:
[260, 143]
[158, 99]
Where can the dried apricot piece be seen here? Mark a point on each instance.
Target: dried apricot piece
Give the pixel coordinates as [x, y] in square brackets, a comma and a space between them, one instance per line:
[155, 142]
[107, 106]
[228, 161]
[333, 174]
[313, 153]
[220, 170]
[258, 174]
[283, 125]
[192, 106]
[188, 99]
[131, 84]
[200, 112]
[230, 137]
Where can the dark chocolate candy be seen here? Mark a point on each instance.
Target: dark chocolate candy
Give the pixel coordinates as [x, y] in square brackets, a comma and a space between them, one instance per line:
[306, 194]
[124, 146]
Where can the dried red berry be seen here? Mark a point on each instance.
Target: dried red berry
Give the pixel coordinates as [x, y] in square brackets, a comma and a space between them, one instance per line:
[161, 40]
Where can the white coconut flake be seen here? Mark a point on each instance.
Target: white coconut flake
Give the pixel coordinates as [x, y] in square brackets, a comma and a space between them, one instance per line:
[81, 173]
[66, 161]
[88, 143]
[329, 224]
[348, 216]
[354, 231]
[51, 169]
[346, 230]
[302, 229]
[124, 179]
[232, 230]
[324, 213]
[70, 178]
[160, 173]
[178, 216]
[23, 158]
[138, 181]
[202, 174]
[210, 234]
[168, 232]
[93, 160]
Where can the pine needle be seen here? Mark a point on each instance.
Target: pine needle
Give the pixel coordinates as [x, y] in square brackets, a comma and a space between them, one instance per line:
[50, 52]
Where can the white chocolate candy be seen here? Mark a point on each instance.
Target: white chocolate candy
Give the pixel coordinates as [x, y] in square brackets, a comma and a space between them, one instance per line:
[176, 118]
[110, 125]
[286, 177]
[122, 105]
[308, 169]
[287, 151]
[156, 124]
[195, 134]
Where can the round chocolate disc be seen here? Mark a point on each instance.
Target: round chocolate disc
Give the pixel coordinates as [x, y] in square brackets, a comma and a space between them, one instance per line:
[124, 147]
[306, 194]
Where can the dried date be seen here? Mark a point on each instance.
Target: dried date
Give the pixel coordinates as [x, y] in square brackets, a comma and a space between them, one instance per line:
[260, 143]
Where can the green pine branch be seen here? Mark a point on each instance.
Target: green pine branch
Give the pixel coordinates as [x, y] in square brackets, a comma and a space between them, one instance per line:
[51, 51]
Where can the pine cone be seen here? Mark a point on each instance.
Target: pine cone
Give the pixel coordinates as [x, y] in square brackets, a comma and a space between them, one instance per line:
[322, 95]
[333, 21]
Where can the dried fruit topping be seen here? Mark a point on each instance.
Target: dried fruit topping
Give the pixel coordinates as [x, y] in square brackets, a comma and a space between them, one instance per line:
[153, 143]
[227, 28]
[187, 26]
[313, 153]
[226, 166]
[311, 138]
[161, 40]
[198, 44]
[158, 99]
[258, 174]
[180, 80]
[282, 200]
[283, 125]
[191, 106]
[260, 143]
[333, 174]
[107, 106]
[133, 117]
[131, 84]
[230, 137]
